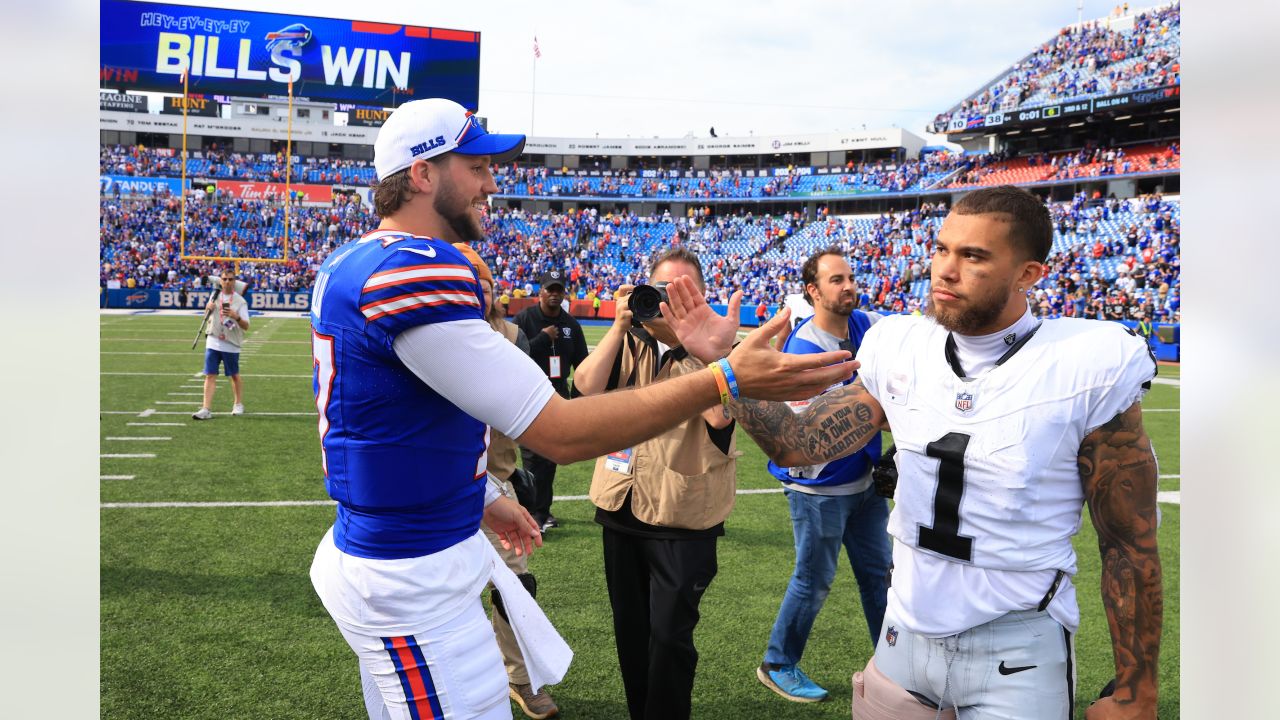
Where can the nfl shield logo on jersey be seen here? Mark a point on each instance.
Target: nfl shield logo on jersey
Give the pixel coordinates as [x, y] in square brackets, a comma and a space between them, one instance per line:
[964, 401]
[891, 636]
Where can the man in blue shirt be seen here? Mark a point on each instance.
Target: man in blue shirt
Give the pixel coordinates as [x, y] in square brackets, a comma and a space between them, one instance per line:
[832, 504]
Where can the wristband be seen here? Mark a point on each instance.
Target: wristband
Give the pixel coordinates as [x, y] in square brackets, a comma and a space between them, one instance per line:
[717, 372]
[729, 376]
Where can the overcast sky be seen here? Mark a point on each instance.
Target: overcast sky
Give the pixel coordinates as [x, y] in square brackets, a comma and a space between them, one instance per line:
[669, 68]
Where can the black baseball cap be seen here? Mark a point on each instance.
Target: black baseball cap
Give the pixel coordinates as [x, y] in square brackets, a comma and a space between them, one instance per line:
[551, 277]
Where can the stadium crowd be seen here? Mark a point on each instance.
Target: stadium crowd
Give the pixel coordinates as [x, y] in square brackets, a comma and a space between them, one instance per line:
[1112, 258]
[1085, 60]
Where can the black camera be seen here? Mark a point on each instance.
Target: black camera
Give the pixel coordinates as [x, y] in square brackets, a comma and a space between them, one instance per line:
[885, 473]
[645, 302]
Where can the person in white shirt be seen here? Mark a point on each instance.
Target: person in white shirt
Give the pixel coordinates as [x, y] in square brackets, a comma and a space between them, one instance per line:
[224, 336]
[1005, 426]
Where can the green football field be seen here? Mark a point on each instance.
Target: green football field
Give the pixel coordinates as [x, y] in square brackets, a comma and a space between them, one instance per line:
[208, 529]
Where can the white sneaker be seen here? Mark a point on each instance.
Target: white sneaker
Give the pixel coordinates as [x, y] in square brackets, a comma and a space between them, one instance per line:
[237, 409]
[202, 414]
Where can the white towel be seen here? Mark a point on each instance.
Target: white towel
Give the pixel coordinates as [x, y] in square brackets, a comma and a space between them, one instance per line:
[546, 654]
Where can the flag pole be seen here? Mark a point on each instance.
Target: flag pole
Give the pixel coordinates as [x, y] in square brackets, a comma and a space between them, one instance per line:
[182, 194]
[533, 108]
[288, 163]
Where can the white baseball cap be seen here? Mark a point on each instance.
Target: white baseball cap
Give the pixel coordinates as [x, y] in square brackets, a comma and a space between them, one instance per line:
[421, 129]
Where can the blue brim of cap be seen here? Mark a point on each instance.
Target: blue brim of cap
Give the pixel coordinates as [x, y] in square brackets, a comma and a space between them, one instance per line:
[501, 147]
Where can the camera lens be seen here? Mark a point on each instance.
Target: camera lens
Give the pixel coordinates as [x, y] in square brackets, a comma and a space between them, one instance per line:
[645, 301]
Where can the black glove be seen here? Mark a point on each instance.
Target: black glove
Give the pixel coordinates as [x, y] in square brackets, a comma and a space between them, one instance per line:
[885, 473]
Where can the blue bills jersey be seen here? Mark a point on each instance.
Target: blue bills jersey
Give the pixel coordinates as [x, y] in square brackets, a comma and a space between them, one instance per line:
[405, 465]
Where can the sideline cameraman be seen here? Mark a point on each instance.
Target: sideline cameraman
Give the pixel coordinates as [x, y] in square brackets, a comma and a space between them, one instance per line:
[662, 503]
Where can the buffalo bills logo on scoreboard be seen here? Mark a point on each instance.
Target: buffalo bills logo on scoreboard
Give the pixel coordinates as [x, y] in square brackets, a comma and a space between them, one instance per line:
[294, 36]
[964, 401]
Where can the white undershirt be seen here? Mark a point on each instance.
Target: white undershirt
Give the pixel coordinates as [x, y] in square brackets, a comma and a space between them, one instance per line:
[979, 353]
[478, 370]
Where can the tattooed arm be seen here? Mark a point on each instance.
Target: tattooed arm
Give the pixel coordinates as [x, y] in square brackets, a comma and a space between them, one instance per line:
[1118, 471]
[835, 424]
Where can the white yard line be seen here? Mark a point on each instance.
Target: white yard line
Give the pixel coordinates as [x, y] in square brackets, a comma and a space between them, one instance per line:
[199, 394]
[140, 437]
[128, 455]
[1176, 382]
[191, 354]
[156, 424]
[172, 402]
[1171, 497]
[158, 374]
[145, 413]
[117, 477]
[179, 412]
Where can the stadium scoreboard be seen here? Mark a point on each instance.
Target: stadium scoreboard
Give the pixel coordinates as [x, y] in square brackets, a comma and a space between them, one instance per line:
[148, 46]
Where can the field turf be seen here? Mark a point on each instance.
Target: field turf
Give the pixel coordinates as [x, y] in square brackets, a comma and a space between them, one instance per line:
[207, 610]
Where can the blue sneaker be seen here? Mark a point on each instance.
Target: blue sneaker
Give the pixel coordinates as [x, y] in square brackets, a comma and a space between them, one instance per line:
[790, 682]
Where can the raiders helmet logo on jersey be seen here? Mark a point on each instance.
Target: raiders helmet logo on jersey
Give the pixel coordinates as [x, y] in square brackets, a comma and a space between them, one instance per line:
[964, 401]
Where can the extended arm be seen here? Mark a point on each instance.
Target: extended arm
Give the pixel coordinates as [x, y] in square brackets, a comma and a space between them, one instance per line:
[591, 377]
[1118, 472]
[835, 424]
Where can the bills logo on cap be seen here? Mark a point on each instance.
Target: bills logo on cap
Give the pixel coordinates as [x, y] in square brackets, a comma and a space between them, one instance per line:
[891, 636]
[964, 401]
[426, 147]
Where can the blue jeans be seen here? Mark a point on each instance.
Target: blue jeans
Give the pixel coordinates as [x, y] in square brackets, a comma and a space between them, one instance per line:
[822, 523]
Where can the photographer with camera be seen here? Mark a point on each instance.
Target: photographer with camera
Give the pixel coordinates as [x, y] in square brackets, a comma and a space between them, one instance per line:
[662, 502]
[557, 344]
[224, 336]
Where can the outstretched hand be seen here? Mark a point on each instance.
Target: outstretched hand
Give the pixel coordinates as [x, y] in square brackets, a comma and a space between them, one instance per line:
[513, 525]
[706, 334]
[766, 373]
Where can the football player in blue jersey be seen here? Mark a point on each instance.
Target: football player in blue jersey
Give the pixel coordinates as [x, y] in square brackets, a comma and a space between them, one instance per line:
[1005, 426]
[399, 339]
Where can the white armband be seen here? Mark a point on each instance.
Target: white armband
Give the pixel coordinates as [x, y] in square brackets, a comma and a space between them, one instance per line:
[492, 489]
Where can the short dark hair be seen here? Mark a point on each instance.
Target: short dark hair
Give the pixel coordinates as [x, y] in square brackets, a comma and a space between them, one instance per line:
[393, 191]
[1032, 229]
[679, 254]
[809, 271]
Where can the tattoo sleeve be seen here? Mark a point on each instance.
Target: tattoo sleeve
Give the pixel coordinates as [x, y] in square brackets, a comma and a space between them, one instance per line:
[1118, 472]
[835, 424]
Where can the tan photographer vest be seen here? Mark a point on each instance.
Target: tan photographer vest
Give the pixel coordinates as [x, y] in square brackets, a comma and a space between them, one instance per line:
[679, 479]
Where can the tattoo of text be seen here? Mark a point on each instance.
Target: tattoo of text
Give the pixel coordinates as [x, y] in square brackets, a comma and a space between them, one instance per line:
[833, 425]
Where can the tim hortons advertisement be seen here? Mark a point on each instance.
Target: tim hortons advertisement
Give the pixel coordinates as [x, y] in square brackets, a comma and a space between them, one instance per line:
[245, 190]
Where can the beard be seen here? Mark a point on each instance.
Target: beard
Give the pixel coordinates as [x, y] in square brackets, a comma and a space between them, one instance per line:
[839, 306]
[977, 315]
[456, 211]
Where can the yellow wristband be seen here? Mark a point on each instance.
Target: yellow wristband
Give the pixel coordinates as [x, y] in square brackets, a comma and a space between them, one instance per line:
[721, 382]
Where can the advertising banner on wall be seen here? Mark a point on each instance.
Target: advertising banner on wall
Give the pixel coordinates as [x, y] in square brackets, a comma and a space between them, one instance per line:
[245, 190]
[131, 185]
[147, 46]
[122, 102]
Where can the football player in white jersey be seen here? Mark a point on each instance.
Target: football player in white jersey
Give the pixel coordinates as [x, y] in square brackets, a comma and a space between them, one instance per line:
[1004, 425]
